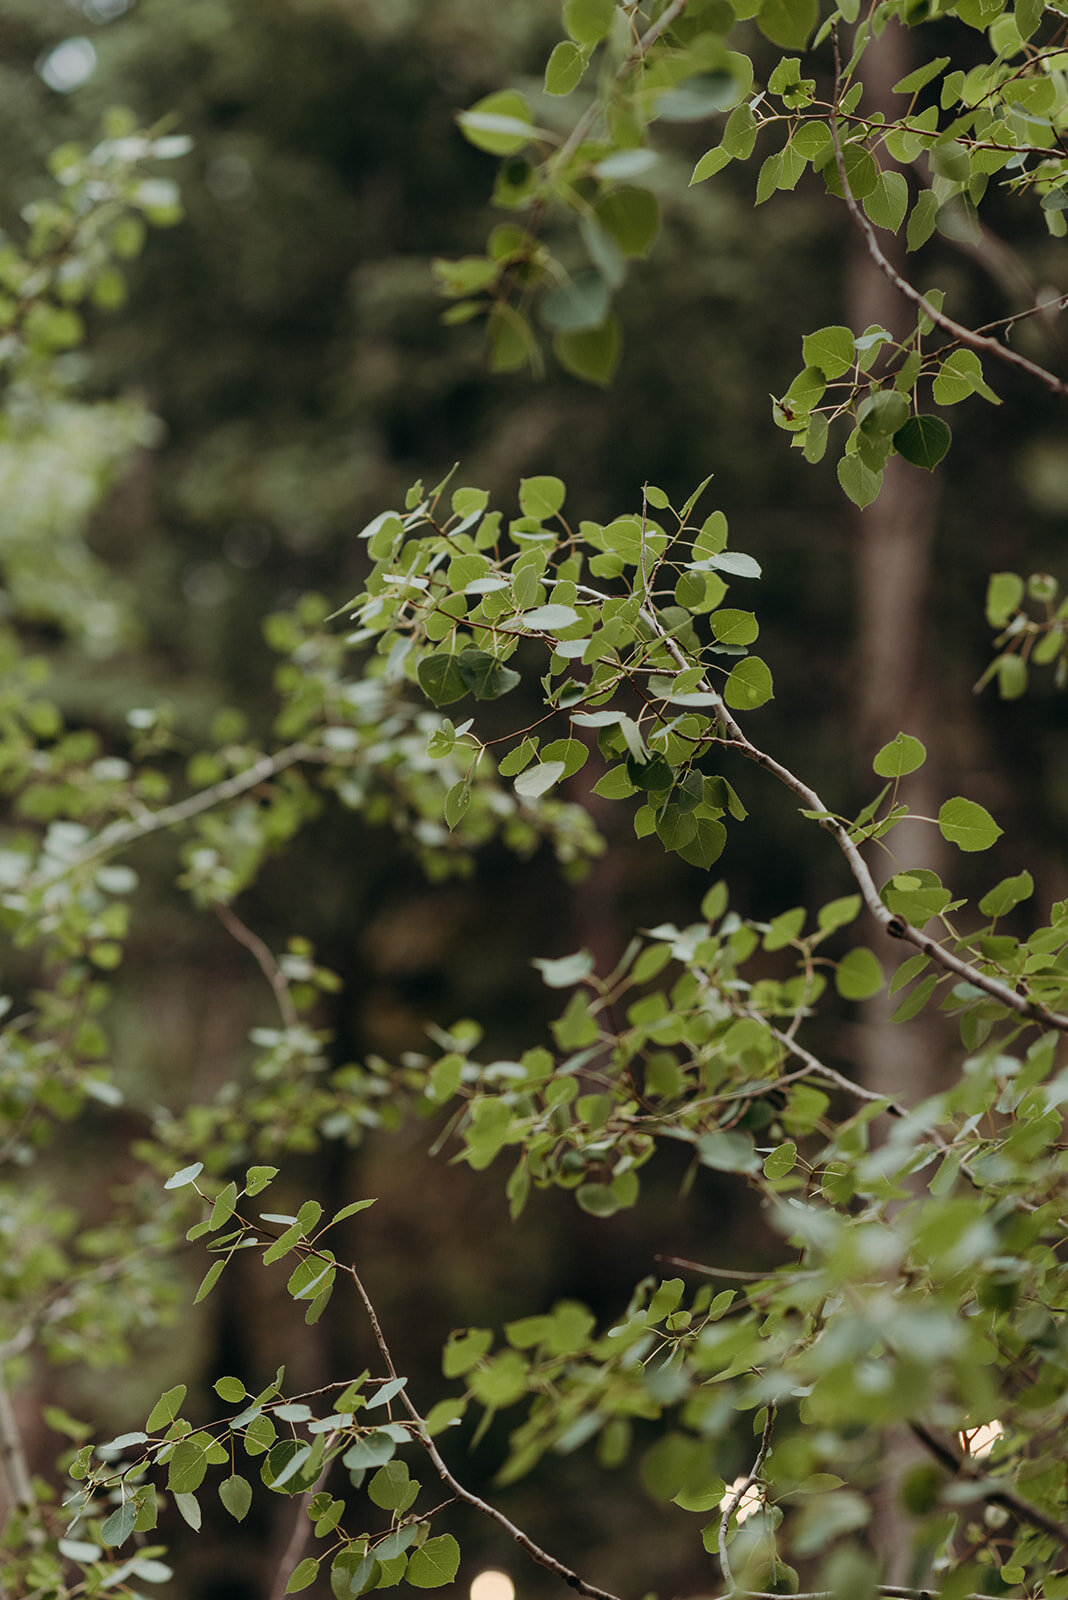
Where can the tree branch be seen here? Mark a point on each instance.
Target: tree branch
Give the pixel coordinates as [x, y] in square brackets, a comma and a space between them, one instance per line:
[536, 1553]
[736, 1498]
[959, 1465]
[957, 330]
[119, 834]
[894, 925]
[264, 959]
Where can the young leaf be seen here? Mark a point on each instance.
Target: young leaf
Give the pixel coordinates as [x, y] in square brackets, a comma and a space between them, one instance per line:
[967, 825]
[435, 1563]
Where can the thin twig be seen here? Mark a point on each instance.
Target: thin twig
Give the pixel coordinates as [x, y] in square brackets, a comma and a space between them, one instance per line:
[893, 1591]
[720, 1272]
[264, 959]
[992, 1490]
[967, 336]
[117, 835]
[742, 1489]
[896, 926]
[536, 1553]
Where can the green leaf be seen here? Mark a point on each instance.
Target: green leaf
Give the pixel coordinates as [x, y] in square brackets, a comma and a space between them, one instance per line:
[999, 901]
[707, 844]
[839, 913]
[465, 1350]
[631, 217]
[187, 1175]
[236, 1495]
[711, 162]
[888, 201]
[209, 1280]
[859, 975]
[859, 482]
[551, 618]
[592, 356]
[435, 1563]
[188, 1508]
[484, 675]
[598, 1199]
[537, 780]
[257, 1179]
[587, 21]
[118, 1527]
[456, 803]
[576, 305]
[232, 1390]
[441, 679]
[961, 375]
[902, 755]
[914, 81]
[392, 1487]
[734, 627]
[304, 1573]
[967, 825]
[499, 123]
[166, 1409]
[831, 349]
[1004, 596]
[565, 68]
[565, 971]
[788, 23]
[187, 1466]
[728, 1151]
[777, 1165]
[882, 413]
[749, 685]
[572, 752]
[923, 441]
[922, 220]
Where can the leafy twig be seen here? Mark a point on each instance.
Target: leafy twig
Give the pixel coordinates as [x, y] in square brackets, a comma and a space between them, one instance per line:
[964, 335]
[264, 959]
[536, 1553]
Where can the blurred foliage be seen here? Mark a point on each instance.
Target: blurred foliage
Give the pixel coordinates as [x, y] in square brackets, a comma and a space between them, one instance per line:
[279, 372]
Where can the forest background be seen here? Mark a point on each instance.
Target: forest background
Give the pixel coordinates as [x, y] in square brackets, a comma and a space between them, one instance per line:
[287, 337]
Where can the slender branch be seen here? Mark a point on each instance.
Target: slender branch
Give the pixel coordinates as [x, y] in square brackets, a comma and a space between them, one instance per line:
[893, 1591]
[264, 959]
[742, 1489]
[536, 1553]
[896, 926]
[641, 49]
[730, 1273]
[992, 1490]
[967, 336]
[117, 835]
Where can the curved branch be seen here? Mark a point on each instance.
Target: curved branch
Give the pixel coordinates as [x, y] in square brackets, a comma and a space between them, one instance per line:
[967, 336]
[742, 1489]
[119, 834]
[959, 1465]
[535, 1551]
[892, 924]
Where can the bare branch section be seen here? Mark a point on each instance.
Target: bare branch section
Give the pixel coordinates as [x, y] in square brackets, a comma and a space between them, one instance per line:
[992, 1489]
[738, 1495]
[956, 330]
[895, 926]
[264, 960]
[120, 834]
[535, 1551]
